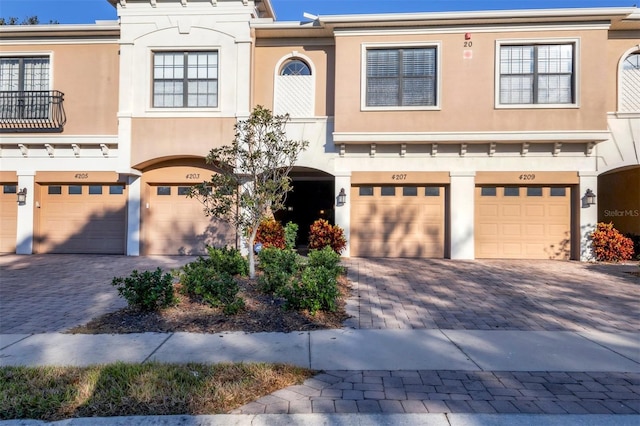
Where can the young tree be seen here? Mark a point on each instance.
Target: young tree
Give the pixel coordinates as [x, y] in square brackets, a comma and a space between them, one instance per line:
[253, 179]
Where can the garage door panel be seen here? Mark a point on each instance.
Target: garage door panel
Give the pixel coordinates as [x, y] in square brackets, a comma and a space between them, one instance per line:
[174, 224]
[532, 225]
[397, 226]
[81, 223]
[8, 218]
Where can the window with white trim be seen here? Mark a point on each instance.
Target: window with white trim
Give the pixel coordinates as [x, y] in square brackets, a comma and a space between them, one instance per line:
[537, 74]
[401, 77]
[26, 83]
[185, 79]
[630, 83]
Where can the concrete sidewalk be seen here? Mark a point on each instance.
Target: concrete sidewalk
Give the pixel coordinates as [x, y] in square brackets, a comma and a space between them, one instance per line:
[342, 349]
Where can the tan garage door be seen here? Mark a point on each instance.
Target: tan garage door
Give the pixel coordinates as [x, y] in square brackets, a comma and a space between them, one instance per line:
[82, 219]
[518, 222]
[397, 221]
[8, 218]
[174, 224]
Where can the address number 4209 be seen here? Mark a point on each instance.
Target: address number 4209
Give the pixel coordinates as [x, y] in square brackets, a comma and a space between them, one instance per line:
[527, 176]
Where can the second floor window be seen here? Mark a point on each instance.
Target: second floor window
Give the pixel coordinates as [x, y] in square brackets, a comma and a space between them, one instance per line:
[537, 74]
[185, 79]
[24, 87]
[401, 77]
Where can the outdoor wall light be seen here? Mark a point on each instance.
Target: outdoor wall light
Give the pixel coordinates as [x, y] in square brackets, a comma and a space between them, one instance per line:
[22, 196]
[589, 197]
[342, 197]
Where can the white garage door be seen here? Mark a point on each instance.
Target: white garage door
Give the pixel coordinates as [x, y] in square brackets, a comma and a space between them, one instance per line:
[397, 221]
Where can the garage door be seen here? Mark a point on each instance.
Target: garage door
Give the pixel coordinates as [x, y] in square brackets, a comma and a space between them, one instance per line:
[82, 219]
[397, 221]
[176, 225]
[8, 218]
[523, 222]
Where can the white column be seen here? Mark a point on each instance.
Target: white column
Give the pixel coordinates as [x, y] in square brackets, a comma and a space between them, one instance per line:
[133, 216]
[243, 75]
[461, 207]
[24, 233]
[588, 214]
[343, 212]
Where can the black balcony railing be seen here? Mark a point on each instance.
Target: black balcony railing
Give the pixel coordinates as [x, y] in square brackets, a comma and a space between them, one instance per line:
[32, 111]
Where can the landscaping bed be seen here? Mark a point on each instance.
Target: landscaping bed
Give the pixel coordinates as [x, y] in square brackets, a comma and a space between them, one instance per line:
[262, 313]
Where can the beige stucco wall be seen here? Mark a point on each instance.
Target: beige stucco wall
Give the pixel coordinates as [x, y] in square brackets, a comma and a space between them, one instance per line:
[467, 100]
[87, 74]
[155, 138]
[267, 57]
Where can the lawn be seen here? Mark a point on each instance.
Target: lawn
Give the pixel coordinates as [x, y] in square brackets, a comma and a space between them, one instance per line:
[55, 393]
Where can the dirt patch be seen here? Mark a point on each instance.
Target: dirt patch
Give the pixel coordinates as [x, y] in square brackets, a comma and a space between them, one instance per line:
[262, 313]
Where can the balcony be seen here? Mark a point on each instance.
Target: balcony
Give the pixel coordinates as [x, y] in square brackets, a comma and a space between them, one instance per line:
[32, 112]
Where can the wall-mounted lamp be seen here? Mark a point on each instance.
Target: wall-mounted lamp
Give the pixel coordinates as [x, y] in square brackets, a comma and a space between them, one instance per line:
[342, 197]
[22, 196]
[589, 197]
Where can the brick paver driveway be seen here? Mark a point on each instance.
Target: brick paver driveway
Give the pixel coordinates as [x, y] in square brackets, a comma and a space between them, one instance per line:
[493, 294]
[45, 293]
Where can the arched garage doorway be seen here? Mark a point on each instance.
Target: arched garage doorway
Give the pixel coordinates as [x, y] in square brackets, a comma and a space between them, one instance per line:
[619, 199]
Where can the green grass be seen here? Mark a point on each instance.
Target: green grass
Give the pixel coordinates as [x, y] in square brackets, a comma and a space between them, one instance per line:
[54, 393]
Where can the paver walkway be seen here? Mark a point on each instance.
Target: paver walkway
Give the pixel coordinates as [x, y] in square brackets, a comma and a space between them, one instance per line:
[438, 391]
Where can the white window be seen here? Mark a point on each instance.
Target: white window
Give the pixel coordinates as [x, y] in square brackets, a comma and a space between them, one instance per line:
[185, 79]
[294, 86]
[24, 87]
[630, 83]
[531, 74]
[401, 77]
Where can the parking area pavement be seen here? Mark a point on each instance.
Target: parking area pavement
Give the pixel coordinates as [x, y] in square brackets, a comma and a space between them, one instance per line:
[530, 295]
[54, 292]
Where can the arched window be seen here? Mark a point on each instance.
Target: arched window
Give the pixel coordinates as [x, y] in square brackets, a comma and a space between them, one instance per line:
[294, 86]
[630, 83]
[295, 67]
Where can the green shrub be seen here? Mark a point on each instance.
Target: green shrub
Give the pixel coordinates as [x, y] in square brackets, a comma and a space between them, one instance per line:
[228, 260]
[316, 290]
[147, 291]
[326, 258]
[271, 234]
[609, 245]
[290, 235]
[322, 234]
[218, 289]
[278, 267]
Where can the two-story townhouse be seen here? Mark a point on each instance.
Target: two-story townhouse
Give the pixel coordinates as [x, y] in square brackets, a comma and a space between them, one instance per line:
[59, 140]
[463, 135]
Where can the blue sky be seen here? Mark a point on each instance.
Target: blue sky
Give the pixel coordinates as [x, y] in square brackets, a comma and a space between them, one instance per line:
[88, 11]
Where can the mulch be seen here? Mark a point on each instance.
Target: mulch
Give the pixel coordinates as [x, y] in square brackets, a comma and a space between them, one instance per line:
[262, 313]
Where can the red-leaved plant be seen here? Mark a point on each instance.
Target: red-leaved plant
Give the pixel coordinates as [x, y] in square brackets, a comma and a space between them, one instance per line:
[271, 234]
[322, 234]
[609, 245]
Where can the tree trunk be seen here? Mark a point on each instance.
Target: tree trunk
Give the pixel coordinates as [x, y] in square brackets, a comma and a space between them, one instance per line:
[252, 256]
